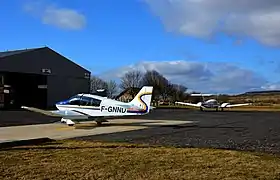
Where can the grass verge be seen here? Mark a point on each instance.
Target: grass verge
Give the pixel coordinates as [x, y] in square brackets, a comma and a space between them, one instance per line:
[70, 159]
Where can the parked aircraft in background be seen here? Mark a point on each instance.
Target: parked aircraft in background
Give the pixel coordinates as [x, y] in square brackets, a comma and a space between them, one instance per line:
[92, 107]
[211, 103]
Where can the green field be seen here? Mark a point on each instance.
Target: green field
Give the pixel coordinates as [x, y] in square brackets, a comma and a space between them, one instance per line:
[96, 160]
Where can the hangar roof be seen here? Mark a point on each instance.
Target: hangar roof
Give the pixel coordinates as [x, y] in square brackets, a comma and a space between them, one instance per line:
[10, 53]
[20, 60]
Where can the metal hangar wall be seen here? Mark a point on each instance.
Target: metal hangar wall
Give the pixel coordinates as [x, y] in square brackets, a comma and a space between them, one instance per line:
[39, 77]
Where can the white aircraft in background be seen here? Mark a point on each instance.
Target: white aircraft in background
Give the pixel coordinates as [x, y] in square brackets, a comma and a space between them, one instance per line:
[211, 103]
[92, 107]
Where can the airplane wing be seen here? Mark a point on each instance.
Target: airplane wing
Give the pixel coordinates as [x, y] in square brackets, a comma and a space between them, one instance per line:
[227, 105]
[189, 104]
[71, 114]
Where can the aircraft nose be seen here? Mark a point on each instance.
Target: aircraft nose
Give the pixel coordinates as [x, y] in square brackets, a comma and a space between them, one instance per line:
[61, 102]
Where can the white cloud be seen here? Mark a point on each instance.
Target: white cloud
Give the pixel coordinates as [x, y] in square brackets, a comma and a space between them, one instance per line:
[258, 19]
[50, 14]
[206, 77]
[271, 86]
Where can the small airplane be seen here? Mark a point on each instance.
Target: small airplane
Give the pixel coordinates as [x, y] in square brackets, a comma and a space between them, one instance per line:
[211, 103]
[97, 108]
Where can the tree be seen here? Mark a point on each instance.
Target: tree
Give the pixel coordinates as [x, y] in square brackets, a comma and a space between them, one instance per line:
[178, 92]
[167, 92]
[131, 80]
[97, 83]
[159, 82]
[111, 88]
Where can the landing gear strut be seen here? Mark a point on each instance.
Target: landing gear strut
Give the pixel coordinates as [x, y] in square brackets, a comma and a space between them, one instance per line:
[98, 123]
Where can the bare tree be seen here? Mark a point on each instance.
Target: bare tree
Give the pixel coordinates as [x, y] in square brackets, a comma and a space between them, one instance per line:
[159, 82]
[97, 83]
[168, 92]
[111, 88]
[178, 92]
[132, 80]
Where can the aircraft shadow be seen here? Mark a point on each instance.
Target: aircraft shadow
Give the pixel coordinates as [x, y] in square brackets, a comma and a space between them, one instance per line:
[146, 124]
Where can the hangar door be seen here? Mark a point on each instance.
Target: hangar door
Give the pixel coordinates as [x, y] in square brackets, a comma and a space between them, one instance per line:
[27, 89]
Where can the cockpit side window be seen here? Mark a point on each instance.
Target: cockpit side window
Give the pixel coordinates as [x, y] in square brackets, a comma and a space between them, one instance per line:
[88, 101]
[95, 102]
[74, 101]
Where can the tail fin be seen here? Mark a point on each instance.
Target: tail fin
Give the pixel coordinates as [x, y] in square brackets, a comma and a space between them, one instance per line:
[143, 98]
[202, 95]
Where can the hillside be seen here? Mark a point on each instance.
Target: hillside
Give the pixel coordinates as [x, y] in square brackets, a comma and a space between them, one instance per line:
[274, 92]
[256, 97]
[259, 98]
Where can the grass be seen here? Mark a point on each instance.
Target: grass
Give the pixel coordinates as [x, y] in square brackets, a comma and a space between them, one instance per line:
[95, 160]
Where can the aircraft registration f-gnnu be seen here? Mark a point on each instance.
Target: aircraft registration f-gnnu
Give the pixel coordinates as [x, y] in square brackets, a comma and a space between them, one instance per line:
[97, 108]
[211, 103]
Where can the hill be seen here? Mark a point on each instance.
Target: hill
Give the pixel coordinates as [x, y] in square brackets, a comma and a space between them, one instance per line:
[274, 92]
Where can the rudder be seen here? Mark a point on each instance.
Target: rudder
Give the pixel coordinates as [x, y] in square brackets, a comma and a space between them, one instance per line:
[143, 98]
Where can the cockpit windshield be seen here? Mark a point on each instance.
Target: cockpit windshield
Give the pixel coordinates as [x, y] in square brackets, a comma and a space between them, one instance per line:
[83, 101]
[75, 100]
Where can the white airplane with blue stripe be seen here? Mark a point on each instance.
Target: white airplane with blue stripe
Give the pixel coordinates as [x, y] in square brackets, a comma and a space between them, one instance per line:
[211, 103]
[92, 107]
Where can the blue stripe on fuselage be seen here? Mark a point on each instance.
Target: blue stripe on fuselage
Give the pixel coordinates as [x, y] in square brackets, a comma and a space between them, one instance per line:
[83, 107]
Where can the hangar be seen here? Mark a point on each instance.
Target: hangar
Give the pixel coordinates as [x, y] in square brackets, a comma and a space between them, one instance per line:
[39, 77]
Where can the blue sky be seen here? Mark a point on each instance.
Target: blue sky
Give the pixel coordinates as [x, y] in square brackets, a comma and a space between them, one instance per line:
[181, 39]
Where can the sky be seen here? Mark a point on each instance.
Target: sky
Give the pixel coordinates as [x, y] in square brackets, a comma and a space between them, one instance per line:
[217, 46]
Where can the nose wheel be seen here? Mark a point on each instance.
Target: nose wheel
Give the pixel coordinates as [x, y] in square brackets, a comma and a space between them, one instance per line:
[67, 121]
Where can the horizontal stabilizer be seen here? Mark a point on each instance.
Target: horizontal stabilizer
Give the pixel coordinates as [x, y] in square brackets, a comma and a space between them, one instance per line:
[57, 113]
[201, 94]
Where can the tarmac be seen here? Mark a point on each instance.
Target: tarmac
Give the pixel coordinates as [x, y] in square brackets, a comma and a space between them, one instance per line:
[250, 131]
[246, 131]
[59, 131]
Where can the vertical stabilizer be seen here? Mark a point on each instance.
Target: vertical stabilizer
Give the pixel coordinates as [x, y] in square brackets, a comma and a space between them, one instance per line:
[143, 98]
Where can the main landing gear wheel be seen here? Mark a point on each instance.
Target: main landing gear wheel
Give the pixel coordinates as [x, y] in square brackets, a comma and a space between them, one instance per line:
[99, 123]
